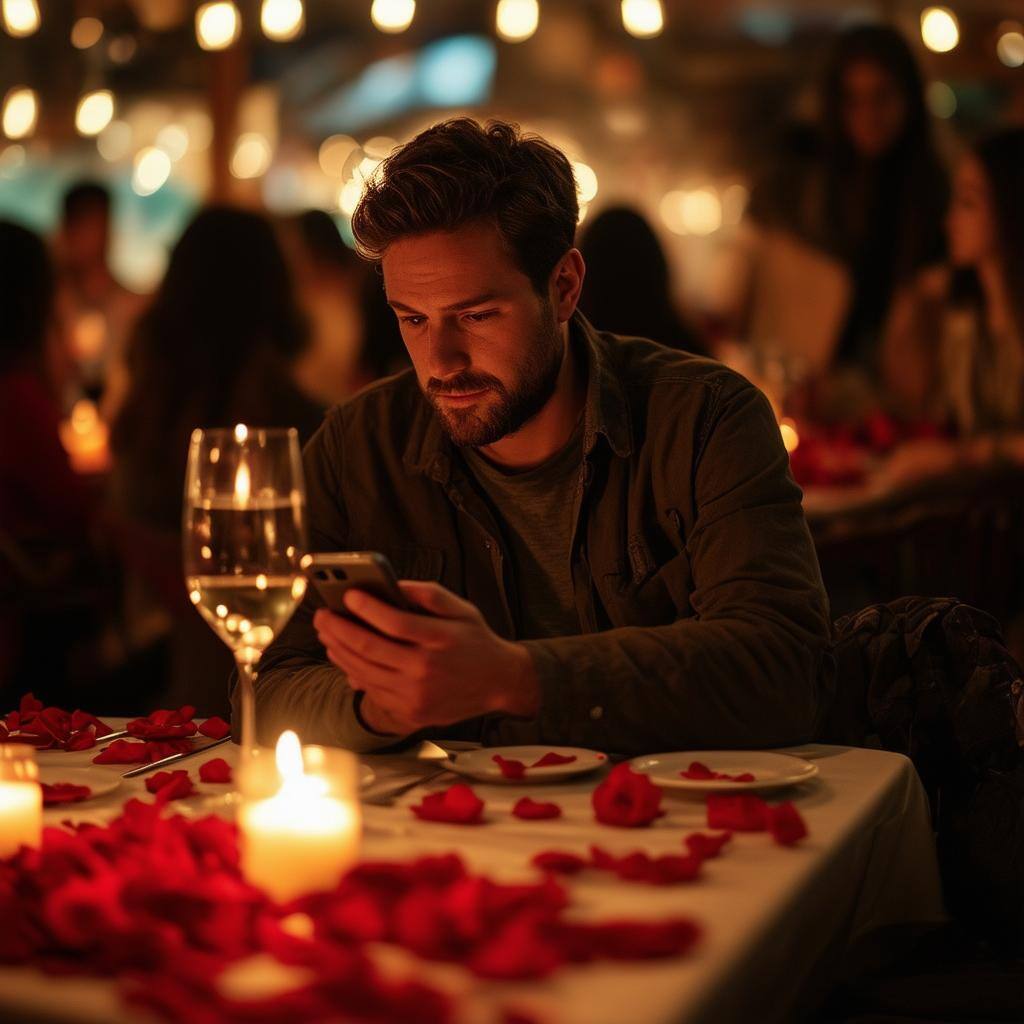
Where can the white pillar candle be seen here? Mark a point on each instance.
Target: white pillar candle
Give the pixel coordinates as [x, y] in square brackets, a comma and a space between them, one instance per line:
[301, 839]
[21, 799]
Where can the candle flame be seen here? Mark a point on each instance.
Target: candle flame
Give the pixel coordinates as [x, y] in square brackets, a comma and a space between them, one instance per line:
[288, 755]
[243, 484]
[241, 433]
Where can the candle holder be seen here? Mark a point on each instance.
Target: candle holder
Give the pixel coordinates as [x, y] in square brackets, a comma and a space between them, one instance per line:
[299, 817]
[21, 799]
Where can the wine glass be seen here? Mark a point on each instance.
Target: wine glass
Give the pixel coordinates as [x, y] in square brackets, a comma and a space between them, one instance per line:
[244, 535]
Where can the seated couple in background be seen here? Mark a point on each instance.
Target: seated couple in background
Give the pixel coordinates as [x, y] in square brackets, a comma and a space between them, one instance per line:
[602, 532]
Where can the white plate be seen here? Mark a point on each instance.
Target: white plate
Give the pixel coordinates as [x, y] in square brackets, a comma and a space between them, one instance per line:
[100, 783]
[480, 764]
[769, 770]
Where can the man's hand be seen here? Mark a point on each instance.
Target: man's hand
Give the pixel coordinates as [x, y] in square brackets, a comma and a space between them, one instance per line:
[432, 669]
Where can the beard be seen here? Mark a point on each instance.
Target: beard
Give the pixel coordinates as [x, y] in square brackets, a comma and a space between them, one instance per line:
[505, 409]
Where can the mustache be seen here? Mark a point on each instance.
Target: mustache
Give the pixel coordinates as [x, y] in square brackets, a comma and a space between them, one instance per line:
[465, 383]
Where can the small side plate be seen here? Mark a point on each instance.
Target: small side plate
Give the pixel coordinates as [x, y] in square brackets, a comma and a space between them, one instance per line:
[480, 764]
[770, 770]
[99, 782]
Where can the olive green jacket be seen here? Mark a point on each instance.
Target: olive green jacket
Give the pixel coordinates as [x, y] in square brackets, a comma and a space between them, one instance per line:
[703, 618]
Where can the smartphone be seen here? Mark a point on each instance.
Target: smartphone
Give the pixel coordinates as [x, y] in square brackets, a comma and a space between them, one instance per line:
[335, 572]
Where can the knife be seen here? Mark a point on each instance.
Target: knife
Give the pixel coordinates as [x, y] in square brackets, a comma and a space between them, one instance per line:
[173, 759]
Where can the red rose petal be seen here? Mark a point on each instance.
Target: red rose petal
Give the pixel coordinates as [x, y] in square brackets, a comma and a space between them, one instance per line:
[553, 758]
[63, 793]
[457, 805]
[701, 772]
[627, 799]
[81, 739]
[82, 720]
[786, 824]
[509, 768]
[30, 705]
[702, 845]
[216, 770]
[558, 862]
[170, 785]
[122, 752]
[216, 728]
[738, 813]
[667, 869]
[157, 750]
[532, 810]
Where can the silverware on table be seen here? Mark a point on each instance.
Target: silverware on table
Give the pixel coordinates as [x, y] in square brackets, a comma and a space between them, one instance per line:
[387, 796]
[112, 736]
[173, 759]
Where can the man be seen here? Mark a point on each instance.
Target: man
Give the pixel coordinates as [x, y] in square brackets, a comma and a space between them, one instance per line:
[602, 533]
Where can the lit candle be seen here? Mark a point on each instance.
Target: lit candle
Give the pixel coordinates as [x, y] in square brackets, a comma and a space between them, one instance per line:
[303, 837]
[21, 799]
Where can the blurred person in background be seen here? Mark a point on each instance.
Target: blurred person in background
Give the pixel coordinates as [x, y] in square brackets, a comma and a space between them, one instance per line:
[628, 288]
[217, 346]
[955, 345]
[328, 279]
[45, 509]
[850, 213]
[96, 311]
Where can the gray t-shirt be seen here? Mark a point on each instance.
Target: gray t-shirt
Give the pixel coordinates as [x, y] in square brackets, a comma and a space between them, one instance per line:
[534, 508]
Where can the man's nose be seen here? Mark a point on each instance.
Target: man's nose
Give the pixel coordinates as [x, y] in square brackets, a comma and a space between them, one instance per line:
[447, 355]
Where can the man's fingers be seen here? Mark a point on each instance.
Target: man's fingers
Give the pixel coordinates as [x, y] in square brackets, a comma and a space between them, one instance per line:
[405, 626]
[363, 674]
[437, 600]
[338, 630]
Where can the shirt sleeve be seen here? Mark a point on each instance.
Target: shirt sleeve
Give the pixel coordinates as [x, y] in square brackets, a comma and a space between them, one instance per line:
[296, 686]
[743, 671]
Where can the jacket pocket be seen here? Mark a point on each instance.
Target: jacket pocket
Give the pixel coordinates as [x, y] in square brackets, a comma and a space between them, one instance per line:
[642, 593]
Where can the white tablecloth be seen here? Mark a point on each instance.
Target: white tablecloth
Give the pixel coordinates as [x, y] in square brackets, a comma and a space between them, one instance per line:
[779, 922]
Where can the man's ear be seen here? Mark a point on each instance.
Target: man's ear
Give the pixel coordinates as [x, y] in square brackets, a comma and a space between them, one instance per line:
[566, 285]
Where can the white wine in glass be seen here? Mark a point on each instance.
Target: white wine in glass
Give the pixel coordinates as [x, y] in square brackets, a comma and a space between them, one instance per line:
[244, 536]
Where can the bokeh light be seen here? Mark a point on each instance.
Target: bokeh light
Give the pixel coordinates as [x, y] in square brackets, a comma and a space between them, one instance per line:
[95, 111]
[392, 15]
[516, 20]
[21, 111]
[940, 31]
[218, 25]
[152, 169]
[643, 18]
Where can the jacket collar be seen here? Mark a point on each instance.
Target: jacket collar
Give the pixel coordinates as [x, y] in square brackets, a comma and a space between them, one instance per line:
[429, 451]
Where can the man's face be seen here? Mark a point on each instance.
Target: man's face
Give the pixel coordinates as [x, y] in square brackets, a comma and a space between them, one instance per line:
[486, 347]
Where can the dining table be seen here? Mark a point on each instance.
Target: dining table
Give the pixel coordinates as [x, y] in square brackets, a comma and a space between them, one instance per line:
[780, 925]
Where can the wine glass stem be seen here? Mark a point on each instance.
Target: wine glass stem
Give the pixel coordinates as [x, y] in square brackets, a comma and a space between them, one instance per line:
[247, 690]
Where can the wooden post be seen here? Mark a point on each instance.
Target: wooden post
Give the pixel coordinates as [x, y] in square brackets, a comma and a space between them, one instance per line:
[228, 77]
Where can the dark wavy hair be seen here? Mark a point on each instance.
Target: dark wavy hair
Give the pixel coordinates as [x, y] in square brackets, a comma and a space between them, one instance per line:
[225, 309]
[912, 172]
[26, 295]
[459, 172]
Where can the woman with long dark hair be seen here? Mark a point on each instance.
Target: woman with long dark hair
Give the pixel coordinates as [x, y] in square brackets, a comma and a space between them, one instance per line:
[214, 348]
[627, 289]
[868, 190]
[955, 347]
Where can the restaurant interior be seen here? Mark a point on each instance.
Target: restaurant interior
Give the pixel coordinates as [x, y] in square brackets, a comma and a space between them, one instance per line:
[824, 197]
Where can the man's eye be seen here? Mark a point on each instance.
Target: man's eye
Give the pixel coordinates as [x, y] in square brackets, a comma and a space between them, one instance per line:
[478, 317]
[413, 321]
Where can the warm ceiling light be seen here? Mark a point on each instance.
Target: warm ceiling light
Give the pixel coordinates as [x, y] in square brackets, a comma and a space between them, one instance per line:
[21, 17]
[1010, 46]
[217, 25]
[643, 18]
[282, 20]
[586, 182]
[21, 110]
[95, 111]
[152, 169]
[251, 157]
[392, 15]
[940, 31]
[86, 32]
[516, 20]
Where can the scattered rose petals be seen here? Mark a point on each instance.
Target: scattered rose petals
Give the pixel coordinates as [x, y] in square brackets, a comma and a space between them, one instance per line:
[737, 813]
[704, 846]
[532, 810]
[627, 799]
[559, 863]
[216, 770]
[457, 805]
[786, 824]
[170, 785]
[703, 773]
[50, 727]
[63, 793]
[164, 725]
[509, 769]
[216, 728]
[668, 869]
[122, 752]
[552, 758]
